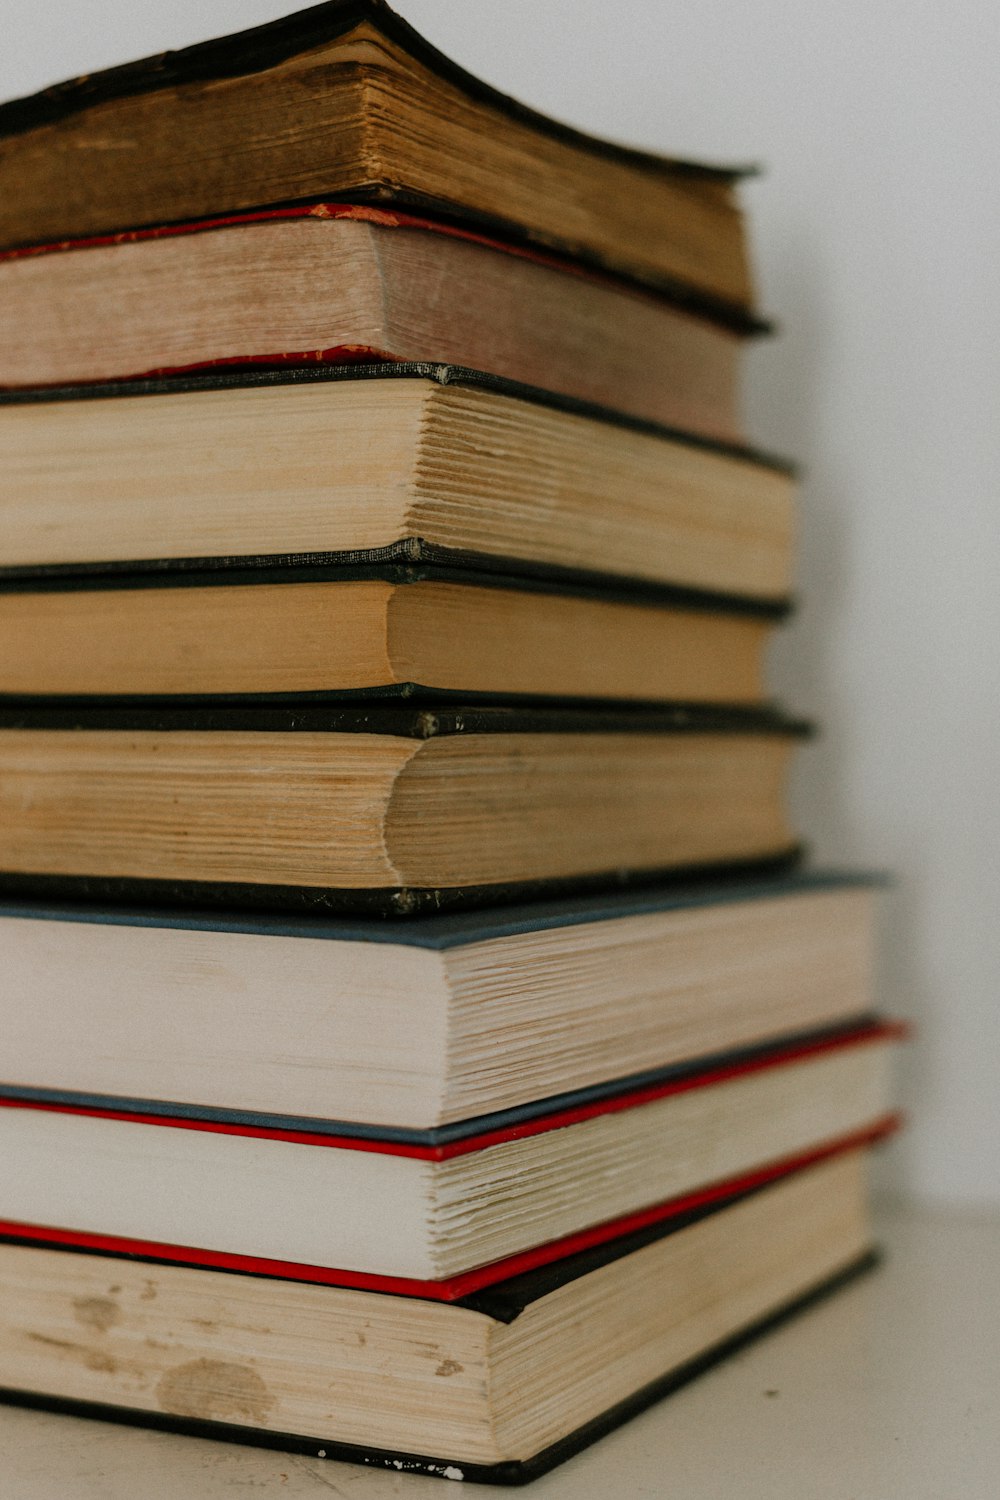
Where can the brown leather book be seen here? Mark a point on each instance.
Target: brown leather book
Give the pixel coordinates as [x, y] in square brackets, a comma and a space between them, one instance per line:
[326, 283]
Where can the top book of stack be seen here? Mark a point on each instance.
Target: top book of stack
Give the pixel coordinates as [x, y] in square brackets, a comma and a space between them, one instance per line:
[346, 101]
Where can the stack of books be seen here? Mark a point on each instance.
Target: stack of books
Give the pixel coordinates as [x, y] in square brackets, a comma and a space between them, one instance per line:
[420, 1044]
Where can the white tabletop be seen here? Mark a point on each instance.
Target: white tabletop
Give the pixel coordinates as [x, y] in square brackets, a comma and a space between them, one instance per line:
[890, 1389]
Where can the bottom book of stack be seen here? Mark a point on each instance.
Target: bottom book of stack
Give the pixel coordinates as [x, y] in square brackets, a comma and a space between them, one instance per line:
[497, 1386]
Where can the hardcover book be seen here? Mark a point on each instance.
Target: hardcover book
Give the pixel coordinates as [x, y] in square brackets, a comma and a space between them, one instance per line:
[383, 463]
[389, 808]
[383, 630]
[334, 282]
[496, 1387]
[421, 1025]
[347, 101]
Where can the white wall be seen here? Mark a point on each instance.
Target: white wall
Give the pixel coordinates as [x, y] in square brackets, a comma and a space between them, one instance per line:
[877, 230]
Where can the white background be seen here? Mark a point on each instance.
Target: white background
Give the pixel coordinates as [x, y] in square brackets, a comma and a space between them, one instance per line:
[877, 230]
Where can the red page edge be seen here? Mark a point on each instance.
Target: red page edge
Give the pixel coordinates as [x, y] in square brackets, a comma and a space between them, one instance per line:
[384, 218]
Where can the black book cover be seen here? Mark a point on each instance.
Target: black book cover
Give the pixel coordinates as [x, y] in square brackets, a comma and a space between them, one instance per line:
[394, 719]
[401, 565]
[459, 929]
[384, 902]
[403, 721]
[411, 557]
